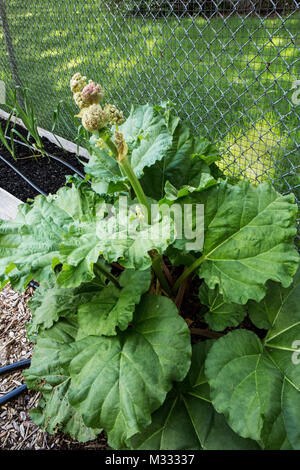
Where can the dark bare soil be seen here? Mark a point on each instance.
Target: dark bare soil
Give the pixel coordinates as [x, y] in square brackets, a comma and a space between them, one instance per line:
[47, 174]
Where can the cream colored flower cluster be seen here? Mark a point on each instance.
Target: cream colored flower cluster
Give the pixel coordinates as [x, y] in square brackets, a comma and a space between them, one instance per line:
[115, 116]
[87, 96]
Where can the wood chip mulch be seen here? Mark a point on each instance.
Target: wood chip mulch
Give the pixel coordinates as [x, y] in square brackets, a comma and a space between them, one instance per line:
[17, 431]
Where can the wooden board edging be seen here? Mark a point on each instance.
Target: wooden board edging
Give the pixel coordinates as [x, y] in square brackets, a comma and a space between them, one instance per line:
[8, 205]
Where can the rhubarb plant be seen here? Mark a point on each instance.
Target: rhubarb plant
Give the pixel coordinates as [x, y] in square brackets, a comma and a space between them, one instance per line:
[167, 312]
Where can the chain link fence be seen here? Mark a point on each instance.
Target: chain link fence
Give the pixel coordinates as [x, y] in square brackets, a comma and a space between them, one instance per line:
[231, 68]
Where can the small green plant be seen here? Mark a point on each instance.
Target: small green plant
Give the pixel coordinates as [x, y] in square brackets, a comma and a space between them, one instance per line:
[117, 344]
[26, 112]
[8, 143]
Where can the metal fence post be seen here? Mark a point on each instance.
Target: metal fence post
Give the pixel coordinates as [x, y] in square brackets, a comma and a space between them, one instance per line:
[10, 50]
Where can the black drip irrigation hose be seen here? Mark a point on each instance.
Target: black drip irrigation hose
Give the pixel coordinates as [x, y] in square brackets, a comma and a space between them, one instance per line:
[23, 176]
[33, 284]
[14, 393]
[67, 164]
[51, 156]
[17, 391]
[15, 366]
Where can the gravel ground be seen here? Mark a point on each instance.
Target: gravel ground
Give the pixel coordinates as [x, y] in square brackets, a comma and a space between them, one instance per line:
[17, 431]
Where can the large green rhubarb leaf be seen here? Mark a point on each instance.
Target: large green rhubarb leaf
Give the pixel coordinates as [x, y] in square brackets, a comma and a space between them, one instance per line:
[52, 355]
[248, 239]
[185, 165]
[31, 243]
[220, 314]
[127, 241]
[147, 136]
[187, 419]
[278, 304]
[117, 382]
[49, 374]
[54, 414]
[112, 307]
[50, 302]
[257, 385]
